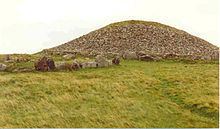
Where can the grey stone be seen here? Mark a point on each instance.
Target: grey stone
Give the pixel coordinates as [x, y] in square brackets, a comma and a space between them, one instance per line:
[89, 65]
[2, 67]
[130, 55]
[101, 61]
[75, 65]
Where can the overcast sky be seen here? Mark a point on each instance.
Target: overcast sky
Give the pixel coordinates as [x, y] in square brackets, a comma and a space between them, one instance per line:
[28, 26]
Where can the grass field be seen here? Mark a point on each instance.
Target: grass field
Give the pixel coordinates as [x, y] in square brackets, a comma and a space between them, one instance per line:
[134, 94]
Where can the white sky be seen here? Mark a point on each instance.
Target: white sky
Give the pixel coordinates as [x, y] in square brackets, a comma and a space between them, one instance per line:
[28, 26]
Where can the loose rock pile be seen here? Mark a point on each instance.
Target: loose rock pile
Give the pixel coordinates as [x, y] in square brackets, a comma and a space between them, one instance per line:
[134, 36]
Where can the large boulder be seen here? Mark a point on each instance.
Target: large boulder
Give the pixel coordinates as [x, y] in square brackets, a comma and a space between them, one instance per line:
[101, 61]
[116, 60]
[2, 67]
[63, 66]
[44, 64]
[75, 65]
[60, 65]
[130, 55]
[51, 64]
[89, 65]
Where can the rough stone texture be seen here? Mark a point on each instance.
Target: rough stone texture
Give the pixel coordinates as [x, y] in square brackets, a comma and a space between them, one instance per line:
[135, 36]
[17, 60]
[146, 58]
[130, 55]
[75, 65]
[51, 64]
[110, 62]
[7, 58]
[89, 65]
[44, 64]
[2, 67]
[63, 66]
[101, 61]
[171, 56]
[116, 61]
[69, 56]
[60, 65]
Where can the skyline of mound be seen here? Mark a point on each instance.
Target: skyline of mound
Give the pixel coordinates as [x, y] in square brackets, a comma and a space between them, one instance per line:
[135, 36]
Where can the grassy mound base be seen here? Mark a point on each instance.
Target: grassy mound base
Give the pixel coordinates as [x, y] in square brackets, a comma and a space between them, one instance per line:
[134, 94]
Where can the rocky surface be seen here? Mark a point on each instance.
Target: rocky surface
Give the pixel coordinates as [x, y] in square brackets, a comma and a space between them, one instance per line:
[130, 55]
[149, 37]
[2, 67]
[89, 64]
[44, 64]
[116, 60]
[146, 58]
[69, 56]
[102, 61]
[75, 65]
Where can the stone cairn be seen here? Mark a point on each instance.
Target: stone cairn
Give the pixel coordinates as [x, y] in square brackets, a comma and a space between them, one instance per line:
[154, 38]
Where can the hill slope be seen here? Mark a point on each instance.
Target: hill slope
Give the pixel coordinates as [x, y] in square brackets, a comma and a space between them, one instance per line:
[149, 37]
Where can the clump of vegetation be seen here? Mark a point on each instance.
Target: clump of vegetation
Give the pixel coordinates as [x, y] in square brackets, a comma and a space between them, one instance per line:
[133, 94]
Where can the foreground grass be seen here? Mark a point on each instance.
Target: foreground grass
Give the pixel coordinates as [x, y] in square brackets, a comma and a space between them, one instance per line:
[135, 94]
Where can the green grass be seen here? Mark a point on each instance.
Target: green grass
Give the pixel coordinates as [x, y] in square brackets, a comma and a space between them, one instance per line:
[134, 94]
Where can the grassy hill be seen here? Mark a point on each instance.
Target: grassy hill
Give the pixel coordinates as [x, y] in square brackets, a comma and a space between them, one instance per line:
[134, 94]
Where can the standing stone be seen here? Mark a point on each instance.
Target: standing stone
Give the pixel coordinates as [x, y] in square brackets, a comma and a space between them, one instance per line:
[2, 67]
